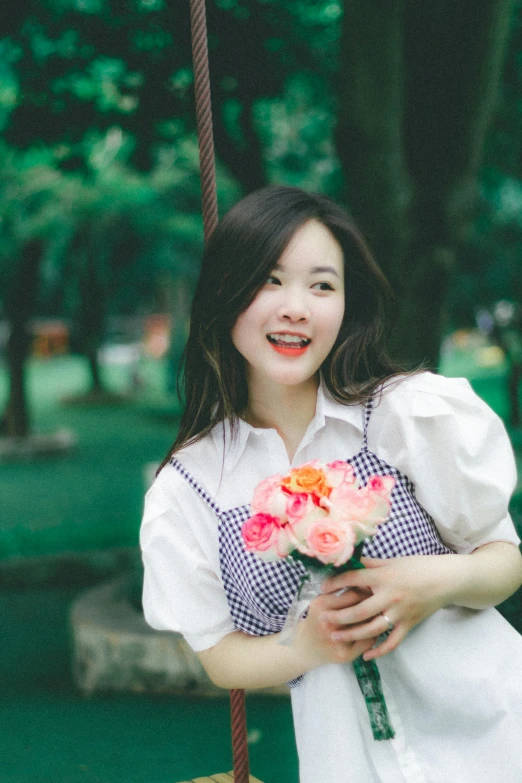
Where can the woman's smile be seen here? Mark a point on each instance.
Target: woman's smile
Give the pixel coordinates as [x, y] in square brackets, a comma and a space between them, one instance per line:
[289, 343]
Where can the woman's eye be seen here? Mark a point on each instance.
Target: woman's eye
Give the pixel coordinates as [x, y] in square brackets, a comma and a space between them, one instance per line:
[273, 280]
[323, 286]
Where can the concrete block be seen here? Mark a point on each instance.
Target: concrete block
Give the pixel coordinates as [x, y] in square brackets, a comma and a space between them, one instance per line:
[115, 650]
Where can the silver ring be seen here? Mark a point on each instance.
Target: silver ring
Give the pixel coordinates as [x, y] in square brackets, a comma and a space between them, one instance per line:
[390, 624]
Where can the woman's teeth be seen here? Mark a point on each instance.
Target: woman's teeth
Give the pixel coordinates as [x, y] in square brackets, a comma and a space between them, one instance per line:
[288, 340]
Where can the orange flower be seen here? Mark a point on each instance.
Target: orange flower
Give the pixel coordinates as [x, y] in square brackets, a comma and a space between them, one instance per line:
[307, 479]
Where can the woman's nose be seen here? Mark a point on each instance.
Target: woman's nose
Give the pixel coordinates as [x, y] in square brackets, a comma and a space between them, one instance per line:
[294, 307]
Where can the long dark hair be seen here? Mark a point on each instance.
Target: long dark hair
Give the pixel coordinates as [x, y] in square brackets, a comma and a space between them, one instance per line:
[243, 250]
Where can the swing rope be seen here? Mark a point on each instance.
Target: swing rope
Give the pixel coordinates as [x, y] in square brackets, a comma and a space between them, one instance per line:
[207, 167]
[210, 220]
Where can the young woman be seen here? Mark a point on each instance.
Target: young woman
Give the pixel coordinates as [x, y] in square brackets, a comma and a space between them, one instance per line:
[285, 363]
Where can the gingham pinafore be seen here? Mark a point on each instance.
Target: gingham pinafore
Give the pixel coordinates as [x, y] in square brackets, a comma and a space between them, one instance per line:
[259, 594]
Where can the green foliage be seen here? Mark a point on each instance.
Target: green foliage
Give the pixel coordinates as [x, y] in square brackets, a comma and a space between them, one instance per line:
[296, 131]
[104, 88]
[33, 195]
[84, 66]
[94, 64]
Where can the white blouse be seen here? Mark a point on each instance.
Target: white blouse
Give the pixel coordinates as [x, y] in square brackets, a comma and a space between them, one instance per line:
[456, 452]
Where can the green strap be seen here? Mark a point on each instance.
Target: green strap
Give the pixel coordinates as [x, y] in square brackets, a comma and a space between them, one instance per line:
[370, 684]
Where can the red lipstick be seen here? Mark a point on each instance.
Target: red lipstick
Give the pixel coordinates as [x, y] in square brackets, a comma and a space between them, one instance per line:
[289, 351]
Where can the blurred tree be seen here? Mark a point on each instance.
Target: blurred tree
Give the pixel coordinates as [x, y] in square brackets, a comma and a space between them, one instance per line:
[116, 254]
[88, 244]
[34, 197]
[419, 85]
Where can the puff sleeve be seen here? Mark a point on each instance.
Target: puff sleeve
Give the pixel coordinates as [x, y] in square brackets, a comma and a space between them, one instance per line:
[456, 452]
[182, 589]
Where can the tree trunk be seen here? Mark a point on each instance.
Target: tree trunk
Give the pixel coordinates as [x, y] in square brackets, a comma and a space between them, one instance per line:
[20, 305]
[419, 83]
[94, 367]
[92, 309]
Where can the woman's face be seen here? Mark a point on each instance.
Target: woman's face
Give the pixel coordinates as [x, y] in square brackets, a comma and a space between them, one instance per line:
[291, 326]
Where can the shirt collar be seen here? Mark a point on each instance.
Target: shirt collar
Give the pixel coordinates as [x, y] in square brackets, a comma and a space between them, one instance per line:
[331, 409]
[326, 408]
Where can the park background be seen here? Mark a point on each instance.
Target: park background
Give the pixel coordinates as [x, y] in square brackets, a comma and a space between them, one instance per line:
[409, 113]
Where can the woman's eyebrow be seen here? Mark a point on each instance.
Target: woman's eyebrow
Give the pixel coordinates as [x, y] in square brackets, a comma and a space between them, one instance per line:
[323, 269]
[316, 270]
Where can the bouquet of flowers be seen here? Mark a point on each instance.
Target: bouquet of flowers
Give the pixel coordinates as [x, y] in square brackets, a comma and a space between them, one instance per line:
[320, 516]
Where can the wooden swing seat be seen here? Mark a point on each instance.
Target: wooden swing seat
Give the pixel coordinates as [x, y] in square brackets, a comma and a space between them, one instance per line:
[220, 777]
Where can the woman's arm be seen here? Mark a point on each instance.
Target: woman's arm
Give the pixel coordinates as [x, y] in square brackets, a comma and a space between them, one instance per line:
[409, 589]
[243, 661]
[491, 574]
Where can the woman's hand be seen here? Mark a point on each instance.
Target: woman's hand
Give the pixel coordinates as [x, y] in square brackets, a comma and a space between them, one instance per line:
[314, 634]
[406, 589]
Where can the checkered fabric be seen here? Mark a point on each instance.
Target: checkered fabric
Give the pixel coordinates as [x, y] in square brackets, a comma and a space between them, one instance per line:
[259, 594]
[410, 530]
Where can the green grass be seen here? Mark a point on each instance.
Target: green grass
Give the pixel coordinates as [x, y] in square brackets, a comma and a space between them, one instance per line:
[92, 497]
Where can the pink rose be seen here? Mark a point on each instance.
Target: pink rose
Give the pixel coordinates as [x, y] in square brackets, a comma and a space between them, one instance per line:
[298, 505]
[383, 485]
[260, 532]
[352, 503]
[298, 531]
[269, 498]
[360, 507]
[338, 472]
[264, 536]
[330, 541]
